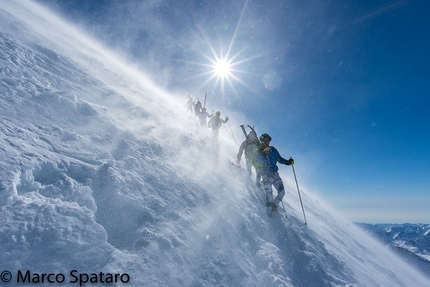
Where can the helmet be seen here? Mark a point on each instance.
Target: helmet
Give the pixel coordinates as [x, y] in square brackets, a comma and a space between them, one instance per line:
[218, 113]
[265, 138]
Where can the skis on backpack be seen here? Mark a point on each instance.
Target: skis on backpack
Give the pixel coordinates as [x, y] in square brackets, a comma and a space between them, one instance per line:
[244, 130]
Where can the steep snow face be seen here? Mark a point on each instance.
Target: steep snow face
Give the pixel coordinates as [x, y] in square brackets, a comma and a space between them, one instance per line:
[101, 171]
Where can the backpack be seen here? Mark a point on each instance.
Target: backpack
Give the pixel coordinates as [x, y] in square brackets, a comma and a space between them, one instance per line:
[252, 137]
[198, 106]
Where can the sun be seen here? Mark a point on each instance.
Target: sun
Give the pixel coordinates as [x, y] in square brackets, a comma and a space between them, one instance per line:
[222, 68]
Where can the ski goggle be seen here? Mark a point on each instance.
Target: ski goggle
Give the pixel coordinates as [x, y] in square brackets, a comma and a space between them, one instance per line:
[265, 139]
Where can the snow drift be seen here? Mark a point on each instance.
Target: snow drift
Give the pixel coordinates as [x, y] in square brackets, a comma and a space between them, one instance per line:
[103, 173]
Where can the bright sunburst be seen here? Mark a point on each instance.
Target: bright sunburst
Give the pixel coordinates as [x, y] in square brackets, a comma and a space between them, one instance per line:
[222, 68]
[223, 64]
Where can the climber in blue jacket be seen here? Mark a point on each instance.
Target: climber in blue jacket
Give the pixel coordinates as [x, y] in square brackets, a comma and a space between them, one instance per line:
[265, 160]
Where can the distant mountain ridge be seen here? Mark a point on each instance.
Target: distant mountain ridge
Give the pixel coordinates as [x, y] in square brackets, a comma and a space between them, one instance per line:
[410, 241]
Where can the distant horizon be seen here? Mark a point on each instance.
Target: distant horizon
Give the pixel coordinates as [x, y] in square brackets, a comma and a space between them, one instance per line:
[391, 224]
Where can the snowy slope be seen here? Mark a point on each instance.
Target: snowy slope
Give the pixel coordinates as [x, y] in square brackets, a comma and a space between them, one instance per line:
[101, 171]
[411, 241]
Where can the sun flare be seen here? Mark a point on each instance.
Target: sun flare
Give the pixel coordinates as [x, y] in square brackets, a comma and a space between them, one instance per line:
[222, 68]
[224, 65]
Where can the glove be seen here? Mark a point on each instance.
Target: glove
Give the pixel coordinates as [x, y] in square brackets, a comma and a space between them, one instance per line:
[237, 162]
[226, 119]
[291, 161]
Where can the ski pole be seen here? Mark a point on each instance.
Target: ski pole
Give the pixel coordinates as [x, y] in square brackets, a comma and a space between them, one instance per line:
[231, 133]
[298, 190]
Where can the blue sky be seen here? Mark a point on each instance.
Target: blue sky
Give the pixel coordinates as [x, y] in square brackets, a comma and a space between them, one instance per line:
[341, 87]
